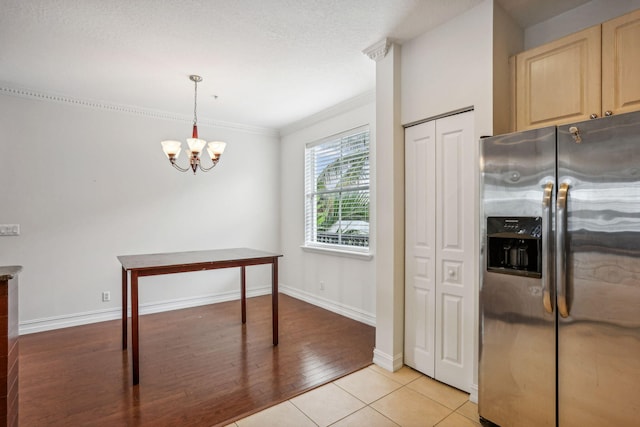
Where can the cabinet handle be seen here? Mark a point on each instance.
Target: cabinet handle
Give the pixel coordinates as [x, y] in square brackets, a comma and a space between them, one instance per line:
[608, 113]
[593, 116]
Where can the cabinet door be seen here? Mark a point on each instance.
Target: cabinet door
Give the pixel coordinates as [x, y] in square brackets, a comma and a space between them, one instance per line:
[559, 82]
[621, 64]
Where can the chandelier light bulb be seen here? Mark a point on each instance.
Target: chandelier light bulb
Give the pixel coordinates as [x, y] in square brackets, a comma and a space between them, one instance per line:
[171, 148]
[196, 145]
[216, 148]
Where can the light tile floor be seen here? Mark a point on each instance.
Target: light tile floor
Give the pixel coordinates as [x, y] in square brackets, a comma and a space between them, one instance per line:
[373, 397]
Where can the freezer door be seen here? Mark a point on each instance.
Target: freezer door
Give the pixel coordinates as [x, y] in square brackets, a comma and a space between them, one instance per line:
[598, 226]
[517, 376]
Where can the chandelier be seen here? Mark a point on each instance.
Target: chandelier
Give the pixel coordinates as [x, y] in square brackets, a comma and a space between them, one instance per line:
[215, 149]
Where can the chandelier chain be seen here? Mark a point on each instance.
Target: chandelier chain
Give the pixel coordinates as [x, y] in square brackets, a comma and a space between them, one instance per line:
[195, 104]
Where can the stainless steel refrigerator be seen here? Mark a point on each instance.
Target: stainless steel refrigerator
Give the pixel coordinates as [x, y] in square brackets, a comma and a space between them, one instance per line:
[560, 288]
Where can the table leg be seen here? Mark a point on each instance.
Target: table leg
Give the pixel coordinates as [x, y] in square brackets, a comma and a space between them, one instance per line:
[243, 293]
[274, 299]
[124, 308]
[134, 326]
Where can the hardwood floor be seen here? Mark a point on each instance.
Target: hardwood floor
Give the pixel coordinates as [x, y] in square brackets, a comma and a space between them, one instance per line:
[198, 366]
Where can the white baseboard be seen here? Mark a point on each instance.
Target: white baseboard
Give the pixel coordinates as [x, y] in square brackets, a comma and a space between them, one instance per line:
[473, 396]
[386, 361]
[85, 318]
[342, 309]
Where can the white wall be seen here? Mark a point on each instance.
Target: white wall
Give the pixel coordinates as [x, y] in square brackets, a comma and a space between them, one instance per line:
[88, 184]
[508, 40]
[450, 68]
[587, 15]
[349, 283]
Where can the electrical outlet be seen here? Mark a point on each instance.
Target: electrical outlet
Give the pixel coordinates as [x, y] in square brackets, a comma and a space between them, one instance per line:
[106, 296]
[9, 229]
[321, 285]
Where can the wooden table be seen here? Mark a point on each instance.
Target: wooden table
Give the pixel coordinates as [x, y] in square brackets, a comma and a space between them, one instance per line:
[9, 336]
[181, 262]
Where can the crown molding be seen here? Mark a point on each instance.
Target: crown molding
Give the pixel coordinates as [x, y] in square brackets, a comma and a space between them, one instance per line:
[342, 107]
[378, 50]
[6, 89]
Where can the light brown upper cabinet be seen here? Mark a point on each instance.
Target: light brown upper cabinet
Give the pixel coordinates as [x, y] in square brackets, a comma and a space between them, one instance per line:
[590, 73]
[559, 82]
[621, 64]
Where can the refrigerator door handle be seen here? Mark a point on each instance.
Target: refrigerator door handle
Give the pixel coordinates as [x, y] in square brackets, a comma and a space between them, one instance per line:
[561, 257]
[547, 270]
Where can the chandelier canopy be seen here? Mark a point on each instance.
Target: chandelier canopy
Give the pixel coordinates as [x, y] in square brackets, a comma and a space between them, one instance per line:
[215, 148]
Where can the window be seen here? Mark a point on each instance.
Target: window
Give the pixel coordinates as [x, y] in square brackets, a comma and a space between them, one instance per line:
[337, 191]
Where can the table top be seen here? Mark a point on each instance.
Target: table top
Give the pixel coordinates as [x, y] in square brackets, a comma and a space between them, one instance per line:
[8, 273]
[137, 262]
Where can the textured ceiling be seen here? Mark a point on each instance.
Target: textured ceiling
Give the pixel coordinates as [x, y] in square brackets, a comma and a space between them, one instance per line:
[269, 62]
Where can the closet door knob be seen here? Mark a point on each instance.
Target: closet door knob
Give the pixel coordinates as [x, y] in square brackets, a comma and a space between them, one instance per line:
[593, 116]
[608, 113]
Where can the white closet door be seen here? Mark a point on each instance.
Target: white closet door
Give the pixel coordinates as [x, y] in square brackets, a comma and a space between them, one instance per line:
[420, 260]
[455, 249]
[439, 248]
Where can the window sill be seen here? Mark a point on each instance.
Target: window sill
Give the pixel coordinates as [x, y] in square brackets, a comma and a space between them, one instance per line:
[366, 256]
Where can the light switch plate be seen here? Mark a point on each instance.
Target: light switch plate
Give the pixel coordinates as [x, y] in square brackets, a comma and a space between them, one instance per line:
[9, 229]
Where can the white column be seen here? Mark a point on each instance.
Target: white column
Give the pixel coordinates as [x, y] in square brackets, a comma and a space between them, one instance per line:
[389, 161]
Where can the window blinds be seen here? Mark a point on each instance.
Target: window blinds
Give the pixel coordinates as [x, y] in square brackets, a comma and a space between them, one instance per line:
[337, 190]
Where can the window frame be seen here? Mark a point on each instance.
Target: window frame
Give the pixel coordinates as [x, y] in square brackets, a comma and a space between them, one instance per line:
[311, 192]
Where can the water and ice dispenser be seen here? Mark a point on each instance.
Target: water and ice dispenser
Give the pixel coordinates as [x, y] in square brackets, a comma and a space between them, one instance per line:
[514, 245]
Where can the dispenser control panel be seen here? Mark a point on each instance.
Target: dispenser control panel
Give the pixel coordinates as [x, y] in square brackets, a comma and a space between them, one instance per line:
[515, 245]
[528, 225]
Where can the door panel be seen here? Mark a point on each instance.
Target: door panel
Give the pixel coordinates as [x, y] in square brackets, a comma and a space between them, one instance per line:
[455, 242]
[420, 247]
[452, 315]
[599, 342]
[450, 147]
[440, 250]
